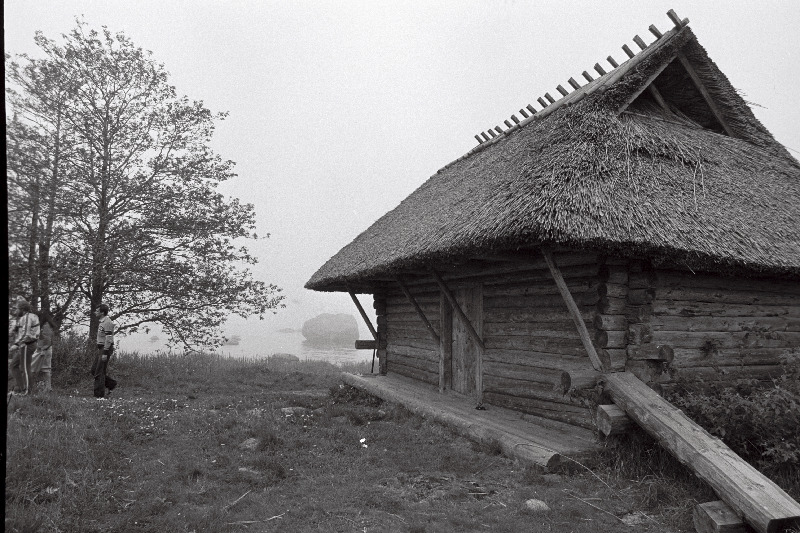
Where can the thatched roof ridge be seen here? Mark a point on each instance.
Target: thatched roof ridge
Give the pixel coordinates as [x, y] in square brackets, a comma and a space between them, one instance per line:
[586, 176]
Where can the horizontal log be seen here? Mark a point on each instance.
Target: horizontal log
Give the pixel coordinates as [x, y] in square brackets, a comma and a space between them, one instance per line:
[409, 314]
[727, 296]
[675, 279]
[727, 373]
[705, 309]
[613, 274]
[642, 280]
[713, 340]
[534, 315]
[416, 353]
[613, 290]
[639, 314]
[580, 417]
[413, 330]
[558, 380]
[530, 329]
[612, 306]
[540, 301]
[552, 345]
[641, 296]
[532, 358]
[610, 322]
[541, 287]
[526, 389]
[717, 517]
[611, 420]
[423, 343]
[651, 351]
[639, 334]
[763, 504]
[412, 372]
[692, 357]
[708, 323]
[610, 339]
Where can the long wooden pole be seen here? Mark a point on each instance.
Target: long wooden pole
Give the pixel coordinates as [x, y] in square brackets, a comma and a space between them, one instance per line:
[763, 504]
[573, 311]
[459, 313]
[702, 88]
[419, 310]
[363, 314]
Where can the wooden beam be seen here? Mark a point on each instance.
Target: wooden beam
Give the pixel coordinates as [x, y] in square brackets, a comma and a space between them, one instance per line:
[611, 420]
[363, 314]
[457, 309]
[366, 345]
[419, 311]
[573, 311]
[702, 88]
[762, 503]
[646, 86]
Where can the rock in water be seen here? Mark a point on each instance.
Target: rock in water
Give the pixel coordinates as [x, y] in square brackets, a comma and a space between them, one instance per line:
[340, 329]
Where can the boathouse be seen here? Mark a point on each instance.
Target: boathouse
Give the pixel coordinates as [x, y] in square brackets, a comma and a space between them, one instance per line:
[642, 223]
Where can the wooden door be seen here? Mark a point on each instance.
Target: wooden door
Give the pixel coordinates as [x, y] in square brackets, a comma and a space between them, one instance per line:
[466, 354]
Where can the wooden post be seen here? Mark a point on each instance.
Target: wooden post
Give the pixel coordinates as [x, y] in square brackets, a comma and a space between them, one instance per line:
[457, 309]
[611, 420]
[418, 309]
[445, 344]
[716, 517]
[363, 314]
[762, 503]
[573, 311]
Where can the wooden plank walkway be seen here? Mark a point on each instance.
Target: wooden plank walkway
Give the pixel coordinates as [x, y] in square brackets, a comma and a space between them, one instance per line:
[525, 437]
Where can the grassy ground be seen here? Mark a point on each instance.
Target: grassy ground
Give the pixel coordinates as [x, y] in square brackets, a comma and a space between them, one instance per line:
[210, 445]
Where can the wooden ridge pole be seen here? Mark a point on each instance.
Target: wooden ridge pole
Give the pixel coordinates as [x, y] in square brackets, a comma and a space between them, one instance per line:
[573, 311]
[419, 310]
[762, 503]
[363, 314]
[459, 313]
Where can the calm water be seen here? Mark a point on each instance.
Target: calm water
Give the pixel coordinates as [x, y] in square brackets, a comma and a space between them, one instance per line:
[269, 344]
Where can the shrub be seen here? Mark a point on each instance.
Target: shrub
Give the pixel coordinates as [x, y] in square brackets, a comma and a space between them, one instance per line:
[759, 422]
[72, 359]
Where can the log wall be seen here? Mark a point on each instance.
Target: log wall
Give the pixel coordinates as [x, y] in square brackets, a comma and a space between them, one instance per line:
[722, 328]
[411, 351]
[534, 360]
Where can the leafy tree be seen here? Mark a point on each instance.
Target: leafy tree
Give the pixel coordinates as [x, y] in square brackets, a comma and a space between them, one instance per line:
[137, 220]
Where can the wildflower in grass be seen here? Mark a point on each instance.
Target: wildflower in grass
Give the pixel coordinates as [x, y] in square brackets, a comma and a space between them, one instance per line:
[364, 443]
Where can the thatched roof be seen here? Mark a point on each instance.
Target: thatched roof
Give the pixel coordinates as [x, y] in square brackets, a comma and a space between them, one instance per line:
[611, 169]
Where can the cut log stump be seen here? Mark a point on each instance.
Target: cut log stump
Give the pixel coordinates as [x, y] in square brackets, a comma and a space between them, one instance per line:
[717, 517]
[611, 420]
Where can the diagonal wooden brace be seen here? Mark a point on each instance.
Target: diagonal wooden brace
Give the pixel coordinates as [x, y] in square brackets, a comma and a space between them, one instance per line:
[573, 311]
[419, 310]
[363, 314]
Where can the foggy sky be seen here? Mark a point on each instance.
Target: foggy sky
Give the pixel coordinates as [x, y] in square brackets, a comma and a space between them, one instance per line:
[339, 110]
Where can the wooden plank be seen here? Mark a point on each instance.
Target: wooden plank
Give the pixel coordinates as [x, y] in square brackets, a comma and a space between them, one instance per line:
[702, 88]
[691, 308]
[489, 427]
[717, 517]
[419, 311]
[611, 420]
[457, 309]
[713, 340]
[763, 504]
[681, 279]
[728, 296]
[574, 311]
[646, 85]
[363, 314]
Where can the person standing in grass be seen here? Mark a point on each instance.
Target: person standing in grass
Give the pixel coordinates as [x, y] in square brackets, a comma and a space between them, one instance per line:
[105, 349]
[26, 333]
[42, 362]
